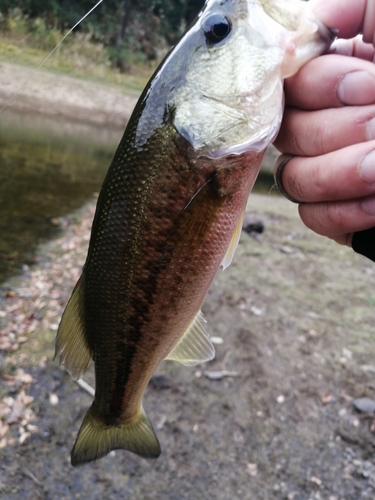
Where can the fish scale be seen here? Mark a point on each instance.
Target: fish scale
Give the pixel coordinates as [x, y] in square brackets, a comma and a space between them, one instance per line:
[171, 207]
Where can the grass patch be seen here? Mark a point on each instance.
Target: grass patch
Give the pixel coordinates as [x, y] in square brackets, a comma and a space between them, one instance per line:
[79, 55]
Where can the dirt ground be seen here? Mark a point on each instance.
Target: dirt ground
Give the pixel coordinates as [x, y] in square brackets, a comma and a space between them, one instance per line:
[270, 418]
[64, 96]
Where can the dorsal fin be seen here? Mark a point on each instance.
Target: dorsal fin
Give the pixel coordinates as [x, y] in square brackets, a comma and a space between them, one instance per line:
[71, 345]
[233, 242]
[194, 347]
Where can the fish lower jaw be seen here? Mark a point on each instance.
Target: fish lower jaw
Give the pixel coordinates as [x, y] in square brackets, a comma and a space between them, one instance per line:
[311, 40]
[256, 143]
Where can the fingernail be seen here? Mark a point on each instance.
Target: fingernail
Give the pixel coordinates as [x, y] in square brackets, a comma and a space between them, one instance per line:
[367, 167]
[357, 88]
[369, 205]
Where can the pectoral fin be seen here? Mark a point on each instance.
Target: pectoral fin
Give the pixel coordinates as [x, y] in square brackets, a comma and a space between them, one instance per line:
[228, 257]
[194, 347]
[71, 345]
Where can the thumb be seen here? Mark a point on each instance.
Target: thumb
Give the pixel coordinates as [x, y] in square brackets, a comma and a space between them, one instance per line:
[347, 17]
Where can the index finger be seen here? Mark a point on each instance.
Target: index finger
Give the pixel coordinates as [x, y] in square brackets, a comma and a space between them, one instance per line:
[346, 17]
[331, 81]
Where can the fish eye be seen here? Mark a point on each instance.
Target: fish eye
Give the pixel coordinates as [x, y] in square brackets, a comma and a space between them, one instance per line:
[216, 28]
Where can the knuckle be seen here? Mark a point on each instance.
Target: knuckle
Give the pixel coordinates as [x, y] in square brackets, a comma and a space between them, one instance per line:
[318, 180]
[298, 190]
[319, 140]
[334, 216]
[327, 219]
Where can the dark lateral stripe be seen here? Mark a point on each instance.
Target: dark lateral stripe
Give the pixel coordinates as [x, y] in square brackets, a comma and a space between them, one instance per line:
[187, 235]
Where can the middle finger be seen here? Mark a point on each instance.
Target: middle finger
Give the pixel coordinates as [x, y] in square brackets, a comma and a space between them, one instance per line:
[325, 130]
[332, 81]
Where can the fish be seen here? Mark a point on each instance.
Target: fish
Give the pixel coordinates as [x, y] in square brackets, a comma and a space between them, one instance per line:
[170, 210]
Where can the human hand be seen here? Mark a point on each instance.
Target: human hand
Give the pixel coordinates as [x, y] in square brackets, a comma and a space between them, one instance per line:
[329, 127]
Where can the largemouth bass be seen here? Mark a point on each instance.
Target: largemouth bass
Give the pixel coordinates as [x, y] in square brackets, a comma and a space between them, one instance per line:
[170, 209]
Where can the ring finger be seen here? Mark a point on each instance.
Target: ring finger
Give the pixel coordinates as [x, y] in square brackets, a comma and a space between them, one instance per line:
[344, 174]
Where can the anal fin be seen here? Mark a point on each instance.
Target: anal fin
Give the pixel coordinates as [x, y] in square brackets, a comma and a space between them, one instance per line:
[195, 346]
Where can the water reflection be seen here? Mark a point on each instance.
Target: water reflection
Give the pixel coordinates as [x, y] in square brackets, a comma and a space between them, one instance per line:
[48, 167]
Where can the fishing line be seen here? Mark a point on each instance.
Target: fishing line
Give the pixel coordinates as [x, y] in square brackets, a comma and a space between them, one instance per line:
[11, 99]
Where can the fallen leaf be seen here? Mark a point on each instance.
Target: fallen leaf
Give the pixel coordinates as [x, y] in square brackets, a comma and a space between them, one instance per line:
[316, 480]
[252, 469]
[327, 398]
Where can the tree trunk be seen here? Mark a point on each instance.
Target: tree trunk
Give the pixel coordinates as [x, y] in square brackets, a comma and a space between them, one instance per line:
[124, 21]
[192, 10]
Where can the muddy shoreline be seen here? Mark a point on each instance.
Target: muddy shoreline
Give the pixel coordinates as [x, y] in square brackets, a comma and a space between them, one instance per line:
[65, 96]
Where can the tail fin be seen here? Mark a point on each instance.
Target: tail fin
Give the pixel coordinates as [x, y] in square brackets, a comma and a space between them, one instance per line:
[96, 439]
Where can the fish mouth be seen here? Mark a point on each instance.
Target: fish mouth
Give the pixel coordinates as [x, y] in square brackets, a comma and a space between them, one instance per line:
[326, 34]
[310, 39]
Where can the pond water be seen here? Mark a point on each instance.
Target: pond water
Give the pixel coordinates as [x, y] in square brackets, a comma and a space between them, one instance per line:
[50, 167]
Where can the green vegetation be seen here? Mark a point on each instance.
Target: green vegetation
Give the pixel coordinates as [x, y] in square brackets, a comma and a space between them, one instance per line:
[120, 37]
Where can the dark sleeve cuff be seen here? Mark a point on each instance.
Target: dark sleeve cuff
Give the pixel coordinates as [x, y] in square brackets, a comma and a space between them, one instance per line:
[364, 243]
